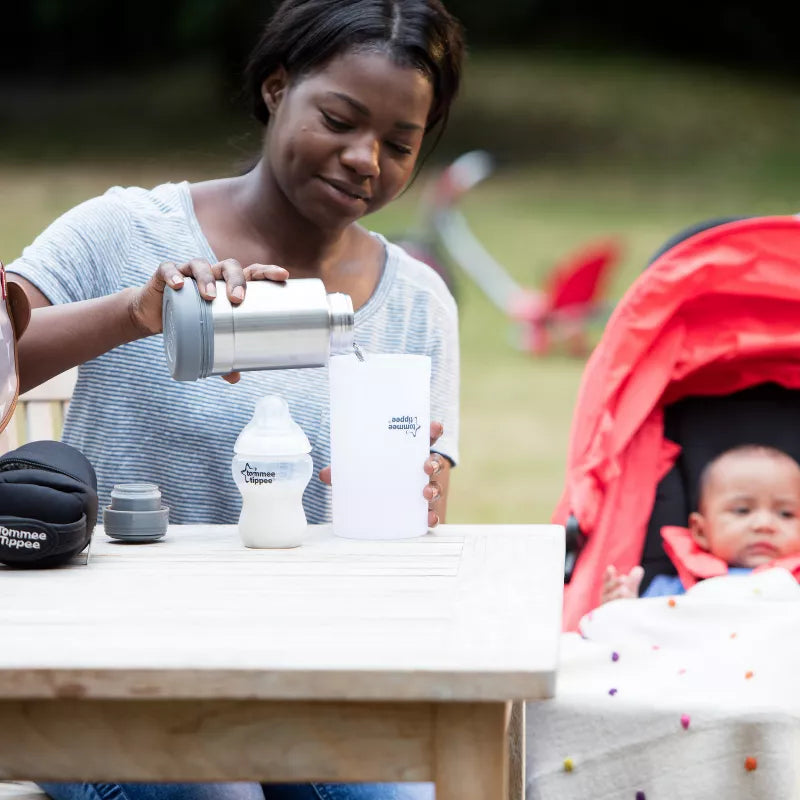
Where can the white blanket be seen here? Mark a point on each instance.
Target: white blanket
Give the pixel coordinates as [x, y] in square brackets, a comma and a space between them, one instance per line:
[677, 698]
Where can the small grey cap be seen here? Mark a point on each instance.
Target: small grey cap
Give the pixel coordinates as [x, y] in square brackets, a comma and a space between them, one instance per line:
[136, 513]
[135, 497]
[188, 332]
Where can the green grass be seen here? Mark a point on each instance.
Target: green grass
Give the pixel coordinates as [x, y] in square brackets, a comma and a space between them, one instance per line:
[634, 149]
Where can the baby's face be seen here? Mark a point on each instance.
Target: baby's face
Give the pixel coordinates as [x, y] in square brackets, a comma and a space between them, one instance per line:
[750, 510]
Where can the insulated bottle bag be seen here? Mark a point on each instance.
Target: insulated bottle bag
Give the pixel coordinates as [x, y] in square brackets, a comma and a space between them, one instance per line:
[48, 504]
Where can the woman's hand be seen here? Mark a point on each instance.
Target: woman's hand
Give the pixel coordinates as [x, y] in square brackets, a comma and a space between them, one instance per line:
[617, 587]
[146, 302]
[145, 305]
[437, 468]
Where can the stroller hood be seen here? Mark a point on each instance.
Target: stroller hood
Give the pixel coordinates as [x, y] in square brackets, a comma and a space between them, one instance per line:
[717, 313]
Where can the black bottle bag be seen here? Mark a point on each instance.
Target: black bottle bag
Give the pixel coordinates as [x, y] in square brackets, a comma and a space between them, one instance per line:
[48, 504]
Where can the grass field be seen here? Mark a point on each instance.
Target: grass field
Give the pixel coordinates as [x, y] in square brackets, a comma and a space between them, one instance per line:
[636, 150]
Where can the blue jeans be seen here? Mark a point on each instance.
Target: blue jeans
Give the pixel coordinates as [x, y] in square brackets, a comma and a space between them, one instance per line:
[239, 791]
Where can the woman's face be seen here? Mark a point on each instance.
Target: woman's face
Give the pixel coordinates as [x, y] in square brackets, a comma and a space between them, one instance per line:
[342, 141]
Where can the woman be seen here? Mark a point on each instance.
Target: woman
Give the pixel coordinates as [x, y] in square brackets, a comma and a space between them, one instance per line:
[346, 90]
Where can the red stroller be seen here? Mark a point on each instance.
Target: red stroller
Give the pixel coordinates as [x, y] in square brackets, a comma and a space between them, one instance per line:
[701, 354]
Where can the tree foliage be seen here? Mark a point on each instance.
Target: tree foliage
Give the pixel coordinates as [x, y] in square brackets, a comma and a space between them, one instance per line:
[55, 37]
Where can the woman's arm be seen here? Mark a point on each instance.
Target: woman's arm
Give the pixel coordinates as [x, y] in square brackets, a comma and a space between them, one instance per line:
[61, 337]
[72, 273]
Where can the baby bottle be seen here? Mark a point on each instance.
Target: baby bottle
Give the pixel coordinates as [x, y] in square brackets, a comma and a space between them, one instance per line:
[271, 467]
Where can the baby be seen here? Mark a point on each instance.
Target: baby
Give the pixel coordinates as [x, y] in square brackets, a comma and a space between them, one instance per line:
[749, 515]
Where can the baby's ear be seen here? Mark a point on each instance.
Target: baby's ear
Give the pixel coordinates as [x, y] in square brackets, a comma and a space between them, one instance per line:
[697, 527]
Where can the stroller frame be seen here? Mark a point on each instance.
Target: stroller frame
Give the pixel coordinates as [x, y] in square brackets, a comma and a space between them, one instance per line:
[572, 296]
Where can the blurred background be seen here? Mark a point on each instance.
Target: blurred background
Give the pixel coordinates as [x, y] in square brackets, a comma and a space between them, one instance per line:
[603, 120]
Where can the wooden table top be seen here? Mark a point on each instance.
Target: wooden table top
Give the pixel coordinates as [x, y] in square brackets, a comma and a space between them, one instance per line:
[468, 612]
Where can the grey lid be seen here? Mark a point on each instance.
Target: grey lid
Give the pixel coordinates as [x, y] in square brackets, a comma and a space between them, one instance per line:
[136, 513]
[135, 497]
[135, 526]
[188, 332]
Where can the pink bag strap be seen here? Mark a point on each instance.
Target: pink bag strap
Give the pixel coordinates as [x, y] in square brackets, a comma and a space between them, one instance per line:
[14, 316]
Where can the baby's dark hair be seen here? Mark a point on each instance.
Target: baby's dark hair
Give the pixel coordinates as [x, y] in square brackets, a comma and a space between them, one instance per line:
[303, 35]
[739, 450]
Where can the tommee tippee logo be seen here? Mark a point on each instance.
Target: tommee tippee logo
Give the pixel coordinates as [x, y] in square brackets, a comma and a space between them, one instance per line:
[15, 539]
[257, 476]
[407, 424]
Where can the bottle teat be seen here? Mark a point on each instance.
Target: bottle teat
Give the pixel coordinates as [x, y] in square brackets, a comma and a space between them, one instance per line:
[272, 431]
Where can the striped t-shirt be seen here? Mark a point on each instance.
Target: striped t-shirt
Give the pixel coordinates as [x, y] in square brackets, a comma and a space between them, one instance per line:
[135, 423]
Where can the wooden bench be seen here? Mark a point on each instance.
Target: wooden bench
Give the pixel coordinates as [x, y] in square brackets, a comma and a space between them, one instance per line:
[40, 412]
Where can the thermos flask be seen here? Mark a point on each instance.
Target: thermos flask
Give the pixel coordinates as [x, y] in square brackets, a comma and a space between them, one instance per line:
[293, 323]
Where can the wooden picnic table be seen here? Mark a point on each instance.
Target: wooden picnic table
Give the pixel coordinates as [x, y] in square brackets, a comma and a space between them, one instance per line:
[196, 659]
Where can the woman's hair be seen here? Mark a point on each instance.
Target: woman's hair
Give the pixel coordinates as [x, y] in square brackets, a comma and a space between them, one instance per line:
[303, 35]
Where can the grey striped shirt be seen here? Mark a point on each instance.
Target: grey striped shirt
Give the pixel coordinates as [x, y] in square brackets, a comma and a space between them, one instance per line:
[135, 423]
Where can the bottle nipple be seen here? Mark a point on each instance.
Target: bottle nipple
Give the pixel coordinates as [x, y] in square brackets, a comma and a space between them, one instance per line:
[271, 430]
[272, 411]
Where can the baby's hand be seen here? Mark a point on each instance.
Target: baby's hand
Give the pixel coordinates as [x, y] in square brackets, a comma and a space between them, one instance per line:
[616, 586]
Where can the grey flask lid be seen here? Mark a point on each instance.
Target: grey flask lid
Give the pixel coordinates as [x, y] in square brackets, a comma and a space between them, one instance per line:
[136, 513]
[188, 332]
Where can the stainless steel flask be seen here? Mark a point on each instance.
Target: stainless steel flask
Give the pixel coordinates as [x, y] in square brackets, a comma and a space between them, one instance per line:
[294, 323]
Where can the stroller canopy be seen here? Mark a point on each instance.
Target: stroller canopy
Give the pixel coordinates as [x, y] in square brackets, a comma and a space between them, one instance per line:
[716, 313]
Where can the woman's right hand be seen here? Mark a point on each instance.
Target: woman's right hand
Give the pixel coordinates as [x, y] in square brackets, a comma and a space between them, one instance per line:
[145, 304]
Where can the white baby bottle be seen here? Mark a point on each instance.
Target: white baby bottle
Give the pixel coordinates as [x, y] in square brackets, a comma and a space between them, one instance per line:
[272, 467]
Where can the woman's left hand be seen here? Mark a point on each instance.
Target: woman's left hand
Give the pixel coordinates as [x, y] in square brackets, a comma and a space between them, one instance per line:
[438, 470]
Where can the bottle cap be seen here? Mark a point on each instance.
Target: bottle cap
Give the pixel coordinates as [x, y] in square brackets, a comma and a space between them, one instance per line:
[136, 513]
[272, 431]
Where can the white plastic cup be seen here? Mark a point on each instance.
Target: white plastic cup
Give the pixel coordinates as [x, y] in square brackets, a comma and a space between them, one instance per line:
[380, 438]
